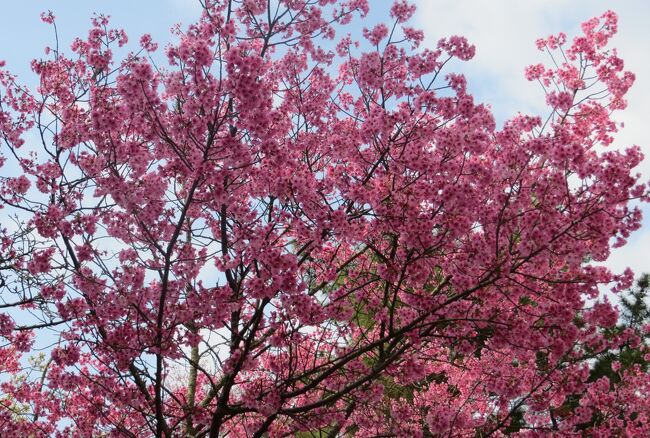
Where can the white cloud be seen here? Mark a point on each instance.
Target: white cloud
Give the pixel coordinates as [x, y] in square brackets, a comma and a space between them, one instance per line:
[188, 9]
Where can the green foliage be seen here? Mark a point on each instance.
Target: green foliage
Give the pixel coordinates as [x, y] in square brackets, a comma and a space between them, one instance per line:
[636, 311]
[321, 433]
[517, 421]
[635, 314]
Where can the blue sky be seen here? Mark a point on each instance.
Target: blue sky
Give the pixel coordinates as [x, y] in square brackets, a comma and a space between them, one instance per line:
[504, 32]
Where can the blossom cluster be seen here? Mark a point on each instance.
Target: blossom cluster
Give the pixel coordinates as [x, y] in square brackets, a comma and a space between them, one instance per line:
[287, 232]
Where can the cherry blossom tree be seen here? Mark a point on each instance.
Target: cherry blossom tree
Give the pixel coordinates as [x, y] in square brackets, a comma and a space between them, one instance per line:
[281, 231]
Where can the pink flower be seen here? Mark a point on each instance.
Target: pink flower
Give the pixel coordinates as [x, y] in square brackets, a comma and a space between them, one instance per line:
[20, 185]
[147, 43]
[402, 10]
[47, 17]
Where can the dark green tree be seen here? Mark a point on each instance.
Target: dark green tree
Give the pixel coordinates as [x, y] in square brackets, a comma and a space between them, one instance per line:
[635, 314]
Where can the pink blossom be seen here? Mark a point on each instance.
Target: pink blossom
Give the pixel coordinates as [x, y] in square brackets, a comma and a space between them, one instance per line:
[286, 232]
[19, 185]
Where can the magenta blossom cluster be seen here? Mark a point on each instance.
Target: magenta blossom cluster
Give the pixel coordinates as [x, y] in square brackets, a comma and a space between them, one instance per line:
[284, 232]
